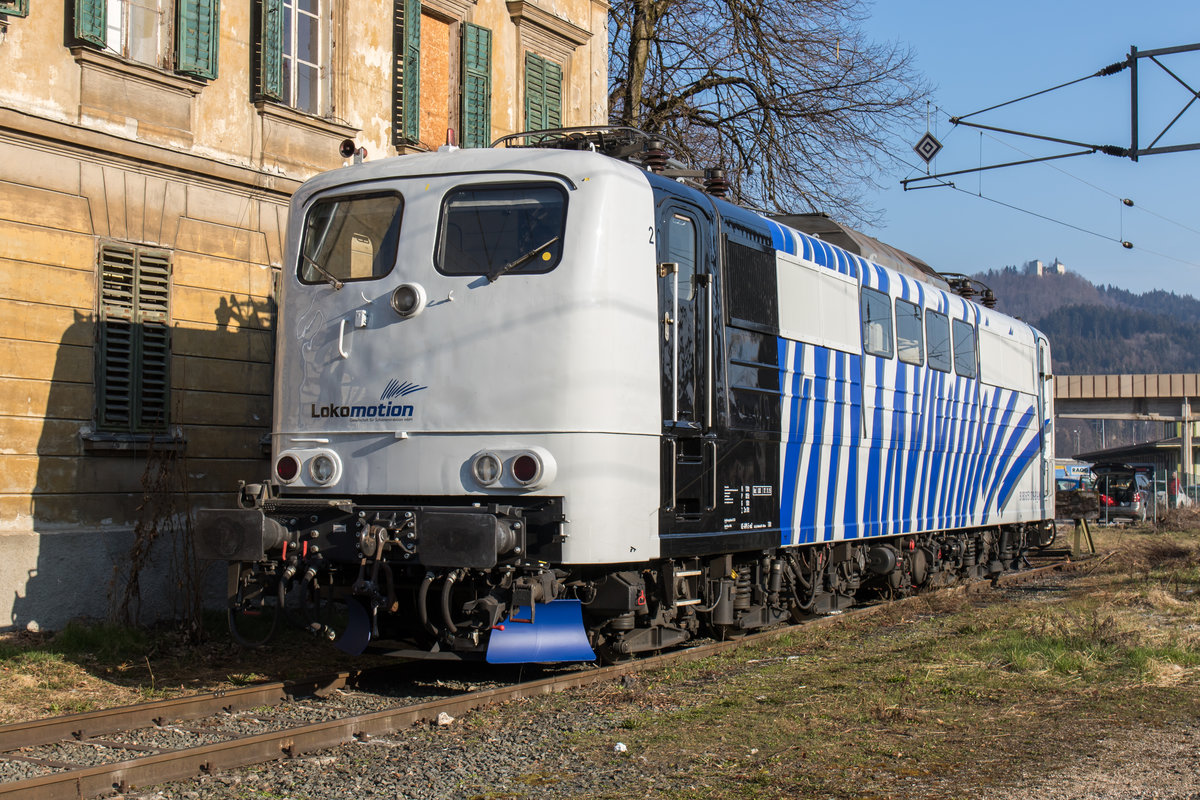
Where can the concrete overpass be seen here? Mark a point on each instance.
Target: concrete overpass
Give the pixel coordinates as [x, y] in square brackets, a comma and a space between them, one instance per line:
[1155, 397]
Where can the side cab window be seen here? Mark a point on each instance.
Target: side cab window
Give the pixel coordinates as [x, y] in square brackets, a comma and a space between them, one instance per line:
[877, 323]
[964, 349]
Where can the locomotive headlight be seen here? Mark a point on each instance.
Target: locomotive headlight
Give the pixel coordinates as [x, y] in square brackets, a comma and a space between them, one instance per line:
[486, 468]
[324, 468]
[408, 299]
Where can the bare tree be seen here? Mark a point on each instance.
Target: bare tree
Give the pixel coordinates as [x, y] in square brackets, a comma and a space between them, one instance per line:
[788, 95]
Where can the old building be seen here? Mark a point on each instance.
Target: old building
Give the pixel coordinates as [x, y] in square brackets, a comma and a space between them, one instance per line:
[148, 149]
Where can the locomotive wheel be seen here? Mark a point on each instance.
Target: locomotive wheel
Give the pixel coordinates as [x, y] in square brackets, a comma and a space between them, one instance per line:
[607, 653]
[1045, 536]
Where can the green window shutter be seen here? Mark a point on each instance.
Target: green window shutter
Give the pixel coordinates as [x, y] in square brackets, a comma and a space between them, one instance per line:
[398, 72]
[477, 86]
[91, 20]
[115, 370]
[543, 93]
[270, 49]
[406, 71]
[154, 341]
[197, 27]
[14, 8]
[412, 70]
[554, 78]
[134, 358]
[535, 92]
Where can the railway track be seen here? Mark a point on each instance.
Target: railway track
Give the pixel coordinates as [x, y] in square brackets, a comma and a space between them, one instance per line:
[120, 749]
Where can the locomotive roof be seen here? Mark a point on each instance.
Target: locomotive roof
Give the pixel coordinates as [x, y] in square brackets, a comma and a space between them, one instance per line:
[857, 242]
[577, 165]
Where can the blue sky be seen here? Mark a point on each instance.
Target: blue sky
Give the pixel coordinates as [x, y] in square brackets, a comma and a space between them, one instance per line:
[977, 54]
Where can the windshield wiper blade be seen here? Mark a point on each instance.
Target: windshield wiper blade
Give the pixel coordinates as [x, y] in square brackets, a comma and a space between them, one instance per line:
[516, 262]
[333, 281]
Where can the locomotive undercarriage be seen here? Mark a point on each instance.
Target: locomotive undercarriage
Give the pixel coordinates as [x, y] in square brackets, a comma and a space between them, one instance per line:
[441, 580]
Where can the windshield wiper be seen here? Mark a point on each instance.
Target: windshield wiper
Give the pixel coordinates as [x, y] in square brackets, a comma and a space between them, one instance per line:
[516, 262]
[333, 281]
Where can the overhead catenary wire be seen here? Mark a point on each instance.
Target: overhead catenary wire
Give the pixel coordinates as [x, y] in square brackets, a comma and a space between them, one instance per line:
[1111, 69]
[1124, 200]
[1123, 243]
[1047, 218]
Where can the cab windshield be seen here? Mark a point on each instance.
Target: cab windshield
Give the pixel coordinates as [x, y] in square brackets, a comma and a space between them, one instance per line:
[501, 230]
[350, 238]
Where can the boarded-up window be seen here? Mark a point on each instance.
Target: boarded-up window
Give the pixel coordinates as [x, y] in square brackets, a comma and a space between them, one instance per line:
[133, 367]
[435, 81]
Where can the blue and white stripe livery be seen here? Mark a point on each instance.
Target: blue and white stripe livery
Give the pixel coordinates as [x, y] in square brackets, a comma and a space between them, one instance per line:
[872, 446]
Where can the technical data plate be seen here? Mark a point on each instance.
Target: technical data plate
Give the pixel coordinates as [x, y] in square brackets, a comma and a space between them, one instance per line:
[556, 634]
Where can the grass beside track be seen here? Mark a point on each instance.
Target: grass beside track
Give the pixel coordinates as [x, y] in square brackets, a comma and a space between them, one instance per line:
[944, 697]
[88, 666]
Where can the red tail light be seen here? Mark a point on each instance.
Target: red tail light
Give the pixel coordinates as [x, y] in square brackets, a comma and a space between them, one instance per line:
[525, 468]
[287, 468]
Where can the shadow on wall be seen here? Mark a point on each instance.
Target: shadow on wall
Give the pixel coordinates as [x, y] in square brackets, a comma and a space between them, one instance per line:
[111, 500]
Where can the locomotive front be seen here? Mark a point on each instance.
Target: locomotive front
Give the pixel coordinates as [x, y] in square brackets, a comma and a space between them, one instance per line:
[466, 397]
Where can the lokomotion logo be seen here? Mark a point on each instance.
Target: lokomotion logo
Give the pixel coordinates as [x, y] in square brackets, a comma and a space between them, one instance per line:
[387, 407]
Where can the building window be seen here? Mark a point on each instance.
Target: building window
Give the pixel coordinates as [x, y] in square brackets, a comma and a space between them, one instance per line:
[133, 357]
[543, 93]
[133, 28]
[293, 53]
[138, 30]
[302, 55]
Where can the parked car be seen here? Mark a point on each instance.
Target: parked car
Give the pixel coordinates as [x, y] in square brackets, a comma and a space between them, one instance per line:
[1126, 490]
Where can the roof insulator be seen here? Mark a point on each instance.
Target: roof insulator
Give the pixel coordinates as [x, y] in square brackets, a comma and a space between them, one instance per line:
[654, 155]
[715, 182]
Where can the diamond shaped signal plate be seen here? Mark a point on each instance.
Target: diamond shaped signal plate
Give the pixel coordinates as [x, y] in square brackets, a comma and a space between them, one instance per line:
[928, 147]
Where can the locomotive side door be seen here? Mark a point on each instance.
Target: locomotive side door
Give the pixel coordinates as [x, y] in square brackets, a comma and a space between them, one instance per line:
[685, 289]
[1045, 416]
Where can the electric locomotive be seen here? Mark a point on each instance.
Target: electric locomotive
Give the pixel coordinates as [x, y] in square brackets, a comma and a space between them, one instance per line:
[554, 399]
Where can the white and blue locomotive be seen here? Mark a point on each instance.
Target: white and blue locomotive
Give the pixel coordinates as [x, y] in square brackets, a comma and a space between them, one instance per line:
[534, 403]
